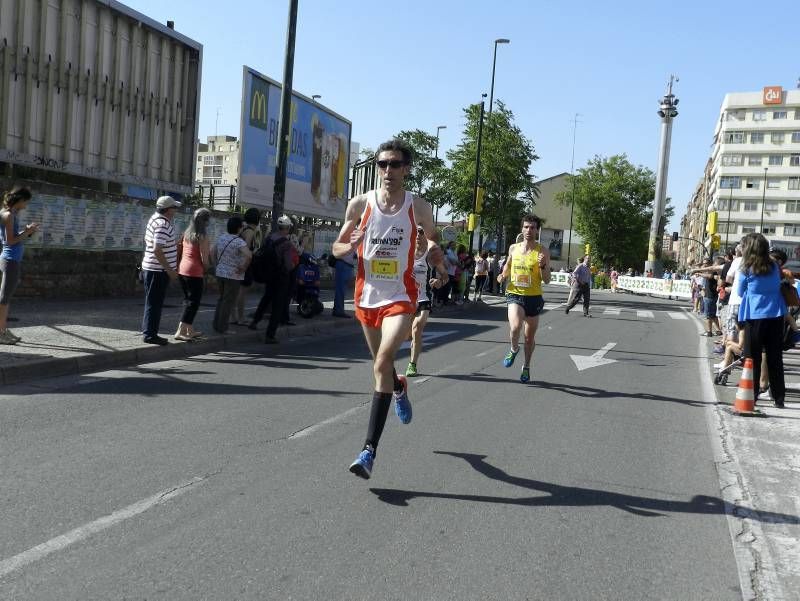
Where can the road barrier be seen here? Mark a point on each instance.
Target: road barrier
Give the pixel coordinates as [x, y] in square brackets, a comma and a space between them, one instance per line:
[658, 286]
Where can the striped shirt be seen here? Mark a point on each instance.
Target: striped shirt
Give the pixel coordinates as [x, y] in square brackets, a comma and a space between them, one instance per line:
[159, 233]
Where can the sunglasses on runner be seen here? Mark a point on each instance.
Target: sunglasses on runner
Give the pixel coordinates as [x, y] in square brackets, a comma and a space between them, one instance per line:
[392, 164]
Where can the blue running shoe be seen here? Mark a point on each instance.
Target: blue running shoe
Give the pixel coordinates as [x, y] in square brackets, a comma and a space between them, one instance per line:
[508, 361]
[362, 466]
[525, 376]
[402, 406]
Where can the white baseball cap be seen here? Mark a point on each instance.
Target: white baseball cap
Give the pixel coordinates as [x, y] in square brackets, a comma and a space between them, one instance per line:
[167, 202]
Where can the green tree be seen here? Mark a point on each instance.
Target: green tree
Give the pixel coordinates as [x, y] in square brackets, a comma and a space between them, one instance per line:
[506, 158]
[613, 209]
[426, 166]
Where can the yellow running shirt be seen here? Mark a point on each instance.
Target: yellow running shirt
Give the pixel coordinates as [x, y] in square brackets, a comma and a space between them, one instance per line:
[525, 278]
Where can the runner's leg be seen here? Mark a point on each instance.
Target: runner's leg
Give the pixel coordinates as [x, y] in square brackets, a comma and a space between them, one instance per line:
[531, 325]
[516, 316]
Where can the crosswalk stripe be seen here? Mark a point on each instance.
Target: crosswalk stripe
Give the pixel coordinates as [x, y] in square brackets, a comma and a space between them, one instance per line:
[610, 311]
[678, 315]
[645, 314]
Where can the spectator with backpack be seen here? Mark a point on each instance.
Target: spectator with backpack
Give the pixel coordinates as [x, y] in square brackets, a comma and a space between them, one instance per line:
[252, 236]
[274, 264]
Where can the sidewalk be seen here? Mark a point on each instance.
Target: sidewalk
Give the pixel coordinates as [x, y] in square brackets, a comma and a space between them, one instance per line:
[64, 337]
[759, 466]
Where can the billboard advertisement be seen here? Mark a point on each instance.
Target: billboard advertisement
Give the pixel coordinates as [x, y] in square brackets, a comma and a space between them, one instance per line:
[319, 151]
[552, 240]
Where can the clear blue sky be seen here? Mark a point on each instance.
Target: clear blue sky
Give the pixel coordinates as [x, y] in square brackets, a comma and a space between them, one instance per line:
[406, 64]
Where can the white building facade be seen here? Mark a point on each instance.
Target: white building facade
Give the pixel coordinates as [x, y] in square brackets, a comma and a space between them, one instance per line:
[754, 180]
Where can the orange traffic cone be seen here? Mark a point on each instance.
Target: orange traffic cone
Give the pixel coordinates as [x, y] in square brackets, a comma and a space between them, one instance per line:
[745, 403]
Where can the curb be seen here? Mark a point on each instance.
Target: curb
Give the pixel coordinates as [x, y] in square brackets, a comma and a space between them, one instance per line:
[66, 366]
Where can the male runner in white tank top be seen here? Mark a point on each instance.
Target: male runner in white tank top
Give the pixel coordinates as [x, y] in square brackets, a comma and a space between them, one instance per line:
[381, 226]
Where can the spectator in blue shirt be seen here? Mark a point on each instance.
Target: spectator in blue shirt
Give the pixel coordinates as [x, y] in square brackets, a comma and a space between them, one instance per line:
[762, 311]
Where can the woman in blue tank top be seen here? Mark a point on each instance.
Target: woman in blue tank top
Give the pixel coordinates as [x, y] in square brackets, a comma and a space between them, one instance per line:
[10, 259]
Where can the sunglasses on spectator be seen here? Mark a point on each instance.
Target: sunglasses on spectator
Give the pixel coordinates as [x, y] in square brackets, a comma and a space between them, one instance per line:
[392, 164]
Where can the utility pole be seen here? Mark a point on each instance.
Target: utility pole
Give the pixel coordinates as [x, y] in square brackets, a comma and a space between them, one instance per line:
[572, 173]
[477, 173]
[282, 158]
[667, 111]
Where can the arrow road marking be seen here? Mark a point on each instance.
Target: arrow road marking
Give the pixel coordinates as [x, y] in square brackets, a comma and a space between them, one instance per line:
[596, 359]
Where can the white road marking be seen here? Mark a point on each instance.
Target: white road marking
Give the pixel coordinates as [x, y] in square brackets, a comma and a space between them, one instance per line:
[645, 314]
[58, 543]
[596, 359]
[674, 315]
[610, 311]
[483, 354]
[331, 420]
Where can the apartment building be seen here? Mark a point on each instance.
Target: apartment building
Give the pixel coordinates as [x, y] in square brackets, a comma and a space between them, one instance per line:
[754, 180]
[217, 170]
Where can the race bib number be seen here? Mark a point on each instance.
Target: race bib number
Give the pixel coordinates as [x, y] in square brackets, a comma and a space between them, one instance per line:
[385, 269]
[522, 280]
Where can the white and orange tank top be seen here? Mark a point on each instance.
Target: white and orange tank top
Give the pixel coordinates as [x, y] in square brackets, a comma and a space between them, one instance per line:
[385, 272]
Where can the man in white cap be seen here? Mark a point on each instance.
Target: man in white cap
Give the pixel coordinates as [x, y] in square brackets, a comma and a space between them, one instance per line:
[159, 265]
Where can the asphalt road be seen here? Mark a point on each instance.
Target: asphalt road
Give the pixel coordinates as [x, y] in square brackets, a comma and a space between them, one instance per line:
[225, 476]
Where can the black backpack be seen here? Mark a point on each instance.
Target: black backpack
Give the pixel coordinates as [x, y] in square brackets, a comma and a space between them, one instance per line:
[267, 263]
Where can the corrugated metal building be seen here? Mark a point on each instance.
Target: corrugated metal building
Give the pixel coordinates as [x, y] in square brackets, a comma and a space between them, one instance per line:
[98, 96]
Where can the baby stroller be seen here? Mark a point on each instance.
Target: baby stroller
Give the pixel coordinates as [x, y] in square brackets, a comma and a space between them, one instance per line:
[307, 295]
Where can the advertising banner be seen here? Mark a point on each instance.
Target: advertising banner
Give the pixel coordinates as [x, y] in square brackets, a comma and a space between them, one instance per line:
[552, 240]
[319, 151]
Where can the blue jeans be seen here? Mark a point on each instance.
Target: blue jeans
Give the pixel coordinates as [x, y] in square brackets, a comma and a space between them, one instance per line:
[155, 291]
[344, 273]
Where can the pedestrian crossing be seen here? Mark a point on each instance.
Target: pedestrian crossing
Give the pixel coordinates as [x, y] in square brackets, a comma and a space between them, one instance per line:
[617, 311]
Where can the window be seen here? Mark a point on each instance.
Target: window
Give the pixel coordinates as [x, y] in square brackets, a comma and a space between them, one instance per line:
[208, 160]
[771, 205]
[793, 206]
[750, 205]
[734, 137]
[797, 114]
[732, 160]
[794, 160]
[759, 115]
[768, 229]
[777, 137]
[773, 183]
[753, 184]
[754, 159]
[757, 137]
[199, 157]
[218, 159]
[723, 205]
[726, 228]
[775, 159]
[231, 148]
[796, 134]
[728, 182]
[737, 115]
[791, 229]
[794, 183]
[748, 229]
[779, 114]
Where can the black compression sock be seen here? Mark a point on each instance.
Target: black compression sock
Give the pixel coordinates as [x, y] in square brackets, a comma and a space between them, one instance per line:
[377, 417]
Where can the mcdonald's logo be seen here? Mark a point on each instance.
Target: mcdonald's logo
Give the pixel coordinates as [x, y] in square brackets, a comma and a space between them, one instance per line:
[258, 104]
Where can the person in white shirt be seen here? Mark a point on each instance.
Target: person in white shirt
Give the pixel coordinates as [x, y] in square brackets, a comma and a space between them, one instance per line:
[231, 256]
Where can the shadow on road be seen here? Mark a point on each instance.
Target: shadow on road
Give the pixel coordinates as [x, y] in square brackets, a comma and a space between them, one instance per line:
[574, 496]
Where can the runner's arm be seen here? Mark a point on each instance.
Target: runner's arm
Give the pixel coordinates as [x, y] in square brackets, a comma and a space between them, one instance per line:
[424, 217]
[544, 265]
[506, 267]
[350, 236]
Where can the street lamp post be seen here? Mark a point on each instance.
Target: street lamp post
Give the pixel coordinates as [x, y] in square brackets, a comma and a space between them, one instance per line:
[491, 105]
[494, 64]
[315, 97]
[763, 200]
[436, 155]
[572, 173]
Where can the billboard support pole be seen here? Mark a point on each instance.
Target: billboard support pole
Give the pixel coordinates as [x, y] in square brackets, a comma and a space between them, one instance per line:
[282, 159]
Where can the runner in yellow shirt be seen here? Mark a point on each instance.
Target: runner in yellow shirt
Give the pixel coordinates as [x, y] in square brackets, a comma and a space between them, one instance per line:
[527, 268]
